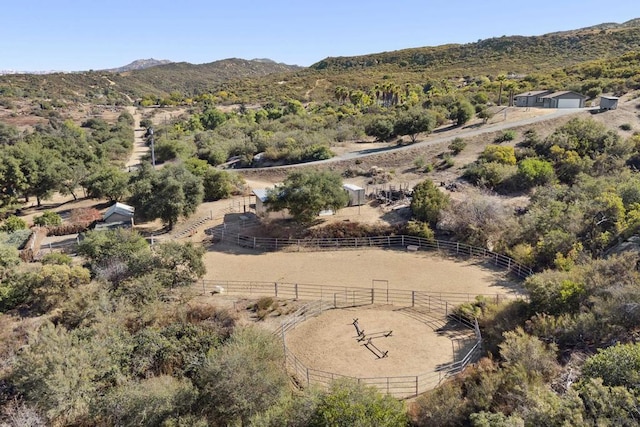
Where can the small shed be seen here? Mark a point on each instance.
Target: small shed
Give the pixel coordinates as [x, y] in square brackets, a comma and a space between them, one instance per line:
[261, 198]
[356, 195]
[119, 213]
[530, 99]
[609, 102]
[564, 99]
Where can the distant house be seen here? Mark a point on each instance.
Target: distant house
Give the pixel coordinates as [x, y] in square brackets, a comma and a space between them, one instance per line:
[119, 213]
[356, 195]
[608, 102]
[563, 99]
[530, 99]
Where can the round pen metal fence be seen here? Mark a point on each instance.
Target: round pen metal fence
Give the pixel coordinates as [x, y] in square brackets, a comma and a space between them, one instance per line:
[429, 308]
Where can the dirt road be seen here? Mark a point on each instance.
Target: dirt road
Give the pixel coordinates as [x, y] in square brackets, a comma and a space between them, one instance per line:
[442, 136]
[140, 148]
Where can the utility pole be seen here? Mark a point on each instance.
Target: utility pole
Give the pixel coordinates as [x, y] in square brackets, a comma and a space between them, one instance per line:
[153, 151]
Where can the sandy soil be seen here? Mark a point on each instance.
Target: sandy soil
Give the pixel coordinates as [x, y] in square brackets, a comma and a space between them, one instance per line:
[330, 343]
[420, 271]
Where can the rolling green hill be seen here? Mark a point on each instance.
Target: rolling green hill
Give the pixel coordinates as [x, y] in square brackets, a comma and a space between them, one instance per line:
[107, 87]
[264, 80]
[513, 55]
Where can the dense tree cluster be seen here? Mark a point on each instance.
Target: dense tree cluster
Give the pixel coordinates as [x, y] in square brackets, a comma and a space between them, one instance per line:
[61, 157]
[119, 341]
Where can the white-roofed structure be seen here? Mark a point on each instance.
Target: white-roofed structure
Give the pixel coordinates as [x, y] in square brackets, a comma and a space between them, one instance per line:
[608, 102]
[261, 198]
[356, 194]
[119, 212]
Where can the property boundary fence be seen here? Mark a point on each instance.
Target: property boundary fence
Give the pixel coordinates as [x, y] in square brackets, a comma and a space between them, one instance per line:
[426, 308]
[231, 233]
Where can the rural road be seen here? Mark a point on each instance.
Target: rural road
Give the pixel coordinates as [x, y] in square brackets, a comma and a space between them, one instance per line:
[434, 138]
[140, 148]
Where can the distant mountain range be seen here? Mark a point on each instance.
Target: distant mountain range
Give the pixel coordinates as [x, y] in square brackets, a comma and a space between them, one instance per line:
[142, 64]
[262, 79]
[139, 64]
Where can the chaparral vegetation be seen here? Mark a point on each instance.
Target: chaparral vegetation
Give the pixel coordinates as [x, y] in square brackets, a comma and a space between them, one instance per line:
[106, 323]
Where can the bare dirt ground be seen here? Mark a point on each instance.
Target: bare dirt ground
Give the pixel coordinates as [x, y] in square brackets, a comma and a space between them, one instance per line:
[419, 271]
[140, 148]
[329, 343]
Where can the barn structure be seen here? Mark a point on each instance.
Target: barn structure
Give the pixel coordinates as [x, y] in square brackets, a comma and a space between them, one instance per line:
[563, 99]
[608, 102]
[356, 194]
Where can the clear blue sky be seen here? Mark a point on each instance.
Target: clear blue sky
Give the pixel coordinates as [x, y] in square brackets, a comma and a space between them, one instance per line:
[73, 35]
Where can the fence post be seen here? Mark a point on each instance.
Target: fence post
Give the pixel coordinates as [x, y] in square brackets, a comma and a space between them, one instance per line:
[308, 382]
[416, 385]
[413, 298]
[372, 297]
[276, 288]
[446, 308]
[296, 287]
[276, 244]
[334, 300]
[254, 242]
[457, 247]
[204, 292]
[402, 240]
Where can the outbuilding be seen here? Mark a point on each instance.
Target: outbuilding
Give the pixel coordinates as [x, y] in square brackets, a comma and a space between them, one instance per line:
[261, 206]
[119, 213]
[356, 195]
[563, 99]
[261, 198]
[608, 102]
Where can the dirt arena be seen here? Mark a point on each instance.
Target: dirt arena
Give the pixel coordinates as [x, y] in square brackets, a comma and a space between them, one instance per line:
[329, 342]
[419, 271]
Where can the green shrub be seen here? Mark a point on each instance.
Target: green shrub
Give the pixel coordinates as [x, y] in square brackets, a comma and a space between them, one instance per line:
[56, 258]
[17, 239]
[499, 154]
[457, 145]
[491, 174]
[13, 223]
[48, 218]
[507, 135]
[617, 365]
[420, 229]
[626, 126]
[532, 172]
